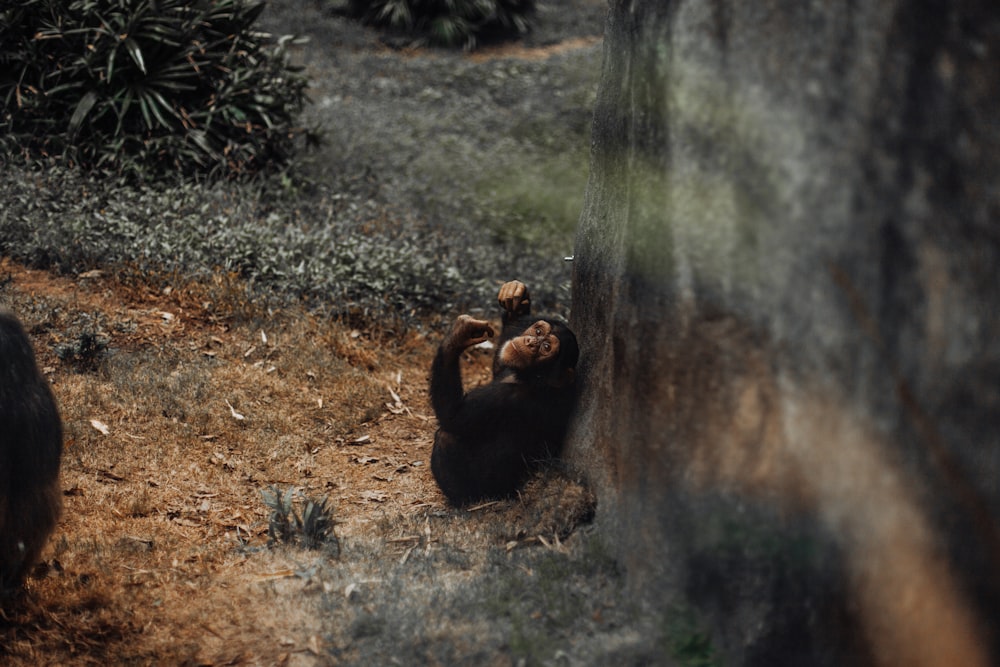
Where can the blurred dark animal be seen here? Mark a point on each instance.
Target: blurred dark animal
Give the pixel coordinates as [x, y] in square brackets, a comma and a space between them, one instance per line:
[30, 451]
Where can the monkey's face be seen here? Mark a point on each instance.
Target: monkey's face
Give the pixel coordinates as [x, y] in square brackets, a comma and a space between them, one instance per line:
[536, 346]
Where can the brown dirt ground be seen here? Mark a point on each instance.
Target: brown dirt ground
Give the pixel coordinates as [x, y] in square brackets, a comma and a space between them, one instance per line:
[172, 434]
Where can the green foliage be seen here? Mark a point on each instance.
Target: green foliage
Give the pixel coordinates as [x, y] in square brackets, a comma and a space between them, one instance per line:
[543, 601]
[85, 343]
[147, 88]
[685, 640]
[448, 22]
[313, 528]
[62, 219]
[84, 351]
[535, 201]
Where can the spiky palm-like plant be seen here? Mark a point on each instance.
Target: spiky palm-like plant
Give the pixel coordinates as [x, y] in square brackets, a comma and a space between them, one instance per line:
[313, 528]
[448, 22]
[147, 87]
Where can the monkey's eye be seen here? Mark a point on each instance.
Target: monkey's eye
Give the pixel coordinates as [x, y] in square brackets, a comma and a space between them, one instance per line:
[538, 331]
[547, 346]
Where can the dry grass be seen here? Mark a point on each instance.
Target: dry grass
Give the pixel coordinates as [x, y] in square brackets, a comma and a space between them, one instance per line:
[177, 419]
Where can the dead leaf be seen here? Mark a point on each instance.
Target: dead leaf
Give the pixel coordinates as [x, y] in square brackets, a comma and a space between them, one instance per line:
[235, 414]
[144, 541]
[351, 591]
[396, 407]
[180, 521]
[107, 474]
[100, 426]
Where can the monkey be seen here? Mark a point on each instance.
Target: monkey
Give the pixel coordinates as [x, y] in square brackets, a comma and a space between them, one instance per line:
[490, 440]
[31, 441]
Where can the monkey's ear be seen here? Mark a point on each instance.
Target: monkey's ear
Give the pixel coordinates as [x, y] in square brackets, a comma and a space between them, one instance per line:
[564, 379]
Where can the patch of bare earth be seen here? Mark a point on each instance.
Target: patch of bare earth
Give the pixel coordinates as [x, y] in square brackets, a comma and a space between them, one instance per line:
[515, 50]
[187, 411]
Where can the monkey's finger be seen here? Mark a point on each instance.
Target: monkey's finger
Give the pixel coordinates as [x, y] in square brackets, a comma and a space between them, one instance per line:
[484, 334]
[477, 325]
[472, 329]
[469, 323]
[510, 293]
[481, 335]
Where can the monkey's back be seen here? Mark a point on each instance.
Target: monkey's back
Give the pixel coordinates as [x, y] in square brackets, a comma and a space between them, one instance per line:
[30, 452]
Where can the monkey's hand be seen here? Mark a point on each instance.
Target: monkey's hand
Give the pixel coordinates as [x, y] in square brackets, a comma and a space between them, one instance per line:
[467, 332]
[514, 299]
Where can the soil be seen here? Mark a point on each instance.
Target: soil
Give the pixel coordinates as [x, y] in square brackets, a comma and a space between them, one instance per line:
[188, 406]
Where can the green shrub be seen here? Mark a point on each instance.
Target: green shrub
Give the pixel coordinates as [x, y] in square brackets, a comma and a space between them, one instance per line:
[448, 22]
[147, 88]
[291, 250]
[313, 528]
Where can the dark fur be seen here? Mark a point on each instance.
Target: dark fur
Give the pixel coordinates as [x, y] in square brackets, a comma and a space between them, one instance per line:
[490, 439]
[30, 451]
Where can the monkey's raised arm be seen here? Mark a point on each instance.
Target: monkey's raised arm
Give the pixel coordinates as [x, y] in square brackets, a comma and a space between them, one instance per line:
[446, 375]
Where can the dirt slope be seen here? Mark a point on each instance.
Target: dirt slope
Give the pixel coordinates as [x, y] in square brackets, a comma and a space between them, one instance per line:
[181, 414]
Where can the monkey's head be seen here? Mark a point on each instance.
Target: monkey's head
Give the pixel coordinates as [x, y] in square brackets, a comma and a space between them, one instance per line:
[17, 358]
[544, 353]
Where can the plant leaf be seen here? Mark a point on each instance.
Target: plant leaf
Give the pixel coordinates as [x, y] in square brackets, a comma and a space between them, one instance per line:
[136, 53]
[80, 113]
